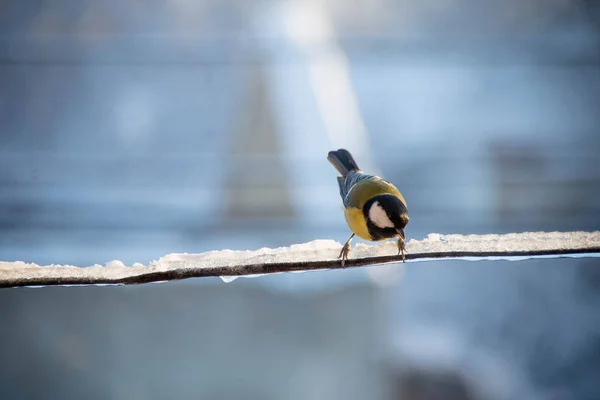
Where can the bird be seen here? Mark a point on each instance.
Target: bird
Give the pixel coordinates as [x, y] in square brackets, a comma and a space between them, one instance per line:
[374, 208]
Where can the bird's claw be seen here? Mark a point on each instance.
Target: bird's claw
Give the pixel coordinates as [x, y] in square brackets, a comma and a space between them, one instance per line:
[344, 254]
[401, 249]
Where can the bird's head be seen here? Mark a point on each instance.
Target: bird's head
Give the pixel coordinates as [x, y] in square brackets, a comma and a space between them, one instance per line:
[386, 216]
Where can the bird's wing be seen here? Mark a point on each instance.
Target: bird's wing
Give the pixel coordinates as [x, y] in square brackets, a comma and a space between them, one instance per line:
[346, 184]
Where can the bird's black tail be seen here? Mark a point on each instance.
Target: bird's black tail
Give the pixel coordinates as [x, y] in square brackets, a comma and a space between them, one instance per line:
[343, 161]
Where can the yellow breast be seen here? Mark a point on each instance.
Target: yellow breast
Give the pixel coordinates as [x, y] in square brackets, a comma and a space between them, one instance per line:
[357, 223]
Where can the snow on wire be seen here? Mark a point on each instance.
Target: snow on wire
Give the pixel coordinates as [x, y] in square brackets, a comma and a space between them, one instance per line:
[315, 255]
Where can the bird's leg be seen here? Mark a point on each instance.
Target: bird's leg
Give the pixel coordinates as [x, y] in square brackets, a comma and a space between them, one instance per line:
[345, 250]
[401, 248]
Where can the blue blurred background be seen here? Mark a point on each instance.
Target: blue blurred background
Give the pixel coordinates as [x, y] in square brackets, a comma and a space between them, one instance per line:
[130, 129]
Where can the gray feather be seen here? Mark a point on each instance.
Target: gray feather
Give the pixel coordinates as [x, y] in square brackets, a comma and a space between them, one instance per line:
[351, 179]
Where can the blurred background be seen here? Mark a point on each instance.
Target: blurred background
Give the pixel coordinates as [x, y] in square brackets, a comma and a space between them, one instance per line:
[130, 129]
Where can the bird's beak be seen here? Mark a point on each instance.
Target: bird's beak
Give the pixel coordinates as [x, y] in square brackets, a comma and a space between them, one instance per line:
[401, 233]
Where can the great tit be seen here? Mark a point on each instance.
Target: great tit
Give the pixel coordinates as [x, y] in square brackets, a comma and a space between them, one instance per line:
[374, 208]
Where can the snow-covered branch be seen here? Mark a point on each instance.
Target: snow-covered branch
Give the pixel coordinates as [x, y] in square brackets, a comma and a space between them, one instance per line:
[315, 255]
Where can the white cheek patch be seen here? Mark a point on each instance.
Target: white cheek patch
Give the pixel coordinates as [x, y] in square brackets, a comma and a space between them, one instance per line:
[379, 217]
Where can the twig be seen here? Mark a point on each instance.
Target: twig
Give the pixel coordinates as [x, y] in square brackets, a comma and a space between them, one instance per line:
[316, 255]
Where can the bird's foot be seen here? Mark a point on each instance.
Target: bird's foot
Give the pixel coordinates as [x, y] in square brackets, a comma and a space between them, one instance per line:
[401, 249]
[345, 250]
[344, 253]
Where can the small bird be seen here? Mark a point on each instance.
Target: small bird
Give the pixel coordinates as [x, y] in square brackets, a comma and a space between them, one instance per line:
[374, 208]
